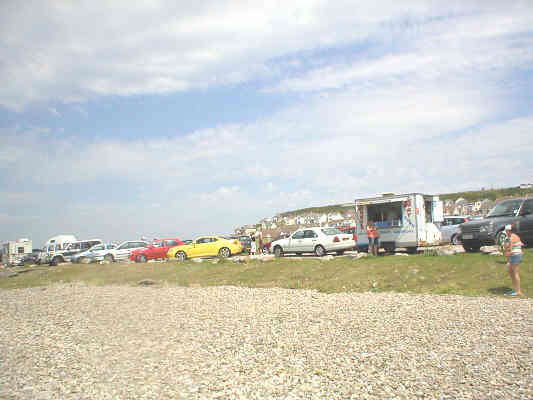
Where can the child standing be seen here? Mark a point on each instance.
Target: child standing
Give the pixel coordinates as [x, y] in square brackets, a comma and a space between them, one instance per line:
[514, 252]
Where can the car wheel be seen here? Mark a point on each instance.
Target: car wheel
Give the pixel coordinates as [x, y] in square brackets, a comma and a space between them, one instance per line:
[224, 252]
[180, 255]
[109, 257]
[456, 240]
[298, 254]
[501, 238]
[141, 258]
[278, 251]
[83, 260]
[320, 251]
[339, 252]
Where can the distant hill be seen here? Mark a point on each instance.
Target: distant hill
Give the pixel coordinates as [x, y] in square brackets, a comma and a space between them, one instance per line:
[492, 194]
[472, 196]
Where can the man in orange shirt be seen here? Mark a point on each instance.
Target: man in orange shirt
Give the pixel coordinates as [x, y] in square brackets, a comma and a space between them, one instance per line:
[373, 238]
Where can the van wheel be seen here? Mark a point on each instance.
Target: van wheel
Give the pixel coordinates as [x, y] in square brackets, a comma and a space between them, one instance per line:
[55, 261]
[456, 240]
[320, 251]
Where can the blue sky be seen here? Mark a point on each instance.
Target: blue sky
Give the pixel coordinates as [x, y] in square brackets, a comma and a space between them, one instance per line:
[179, 118]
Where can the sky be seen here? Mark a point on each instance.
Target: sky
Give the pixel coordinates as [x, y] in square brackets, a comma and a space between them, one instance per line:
[175, 118]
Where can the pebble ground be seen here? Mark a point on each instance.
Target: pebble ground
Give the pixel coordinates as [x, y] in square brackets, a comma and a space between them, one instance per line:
[119, 342]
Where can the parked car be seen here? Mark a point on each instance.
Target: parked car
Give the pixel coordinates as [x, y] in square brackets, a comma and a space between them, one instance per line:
[206, 246]
[158, 249]
[123, 250]
[72, 250]
[246, 241]
[353, 231]
[95, 253]
[316, 240]
[450, 228]
[490, 230]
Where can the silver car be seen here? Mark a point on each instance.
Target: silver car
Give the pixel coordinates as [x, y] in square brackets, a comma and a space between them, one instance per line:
[450, 228]
[95, 253]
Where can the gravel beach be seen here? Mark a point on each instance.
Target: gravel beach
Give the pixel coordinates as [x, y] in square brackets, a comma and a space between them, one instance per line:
[120, 342]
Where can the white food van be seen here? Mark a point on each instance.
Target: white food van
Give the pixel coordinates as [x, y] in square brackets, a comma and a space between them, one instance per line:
[402, 220]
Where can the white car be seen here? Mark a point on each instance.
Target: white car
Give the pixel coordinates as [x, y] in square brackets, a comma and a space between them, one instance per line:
[123, 250]
[316, 240]
[95, 253]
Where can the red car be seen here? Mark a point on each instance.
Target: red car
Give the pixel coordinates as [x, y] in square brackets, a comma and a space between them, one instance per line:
[158, 249]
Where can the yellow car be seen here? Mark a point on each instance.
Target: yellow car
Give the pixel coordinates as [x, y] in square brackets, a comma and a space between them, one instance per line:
[206, 246]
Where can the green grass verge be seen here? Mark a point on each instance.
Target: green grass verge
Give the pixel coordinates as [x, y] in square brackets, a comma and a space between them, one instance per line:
[463, 274]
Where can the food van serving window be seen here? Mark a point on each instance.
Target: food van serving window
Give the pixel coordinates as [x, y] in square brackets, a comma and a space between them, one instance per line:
[385, 215]
[429, 211]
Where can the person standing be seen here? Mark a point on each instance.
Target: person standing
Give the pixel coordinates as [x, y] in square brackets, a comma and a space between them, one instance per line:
[514, 252]
[259, 241]
[373, 238]
[253, 245]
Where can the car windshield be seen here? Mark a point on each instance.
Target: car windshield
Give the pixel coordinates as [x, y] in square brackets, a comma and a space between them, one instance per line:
[123, 246]
[331, 231]
[505, 208]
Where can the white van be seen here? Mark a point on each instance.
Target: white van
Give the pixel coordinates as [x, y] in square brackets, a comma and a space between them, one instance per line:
[54, 244]
[71, 250]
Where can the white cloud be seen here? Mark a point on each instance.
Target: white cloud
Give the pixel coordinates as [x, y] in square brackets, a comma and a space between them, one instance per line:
[69, 52]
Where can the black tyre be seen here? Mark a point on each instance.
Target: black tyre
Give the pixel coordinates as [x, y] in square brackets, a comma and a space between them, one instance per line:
[83, 260]
[320, 251]
[180, 255]
[339, 252]
[412, 250]
[224, 252]
[109, 257]
[298, 254]
[501, 238]
[278, 251]
[456, 239]
[141, 258]
[56, 260]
